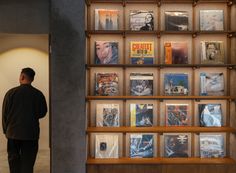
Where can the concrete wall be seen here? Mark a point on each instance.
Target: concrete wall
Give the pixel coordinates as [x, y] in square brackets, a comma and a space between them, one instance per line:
[24, 16]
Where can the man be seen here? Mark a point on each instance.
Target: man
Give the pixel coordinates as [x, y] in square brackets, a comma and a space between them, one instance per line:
[23, 106]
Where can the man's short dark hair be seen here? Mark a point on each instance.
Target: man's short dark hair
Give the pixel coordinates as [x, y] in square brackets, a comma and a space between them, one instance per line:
[29, 72]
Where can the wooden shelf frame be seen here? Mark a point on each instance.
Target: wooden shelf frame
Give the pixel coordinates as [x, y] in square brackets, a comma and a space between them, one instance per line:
[162, 161]
[160, 129]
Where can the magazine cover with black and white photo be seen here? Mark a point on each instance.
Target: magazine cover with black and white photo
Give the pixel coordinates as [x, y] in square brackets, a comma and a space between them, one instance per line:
[141, 84]
[212, 52]
[141, 115]
[107, 115]
[212, 84]
[176, 21]
[141, 145]
[106, 52]
[141, 20]
[106, 84]
[177, 145]
[211, 20]
[211, 145]
[106, 146]
[177, 115]
[210, 115]
[176, 84]
[106, 19]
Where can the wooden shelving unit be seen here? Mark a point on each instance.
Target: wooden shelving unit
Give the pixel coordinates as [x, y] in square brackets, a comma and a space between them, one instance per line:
[158, 35]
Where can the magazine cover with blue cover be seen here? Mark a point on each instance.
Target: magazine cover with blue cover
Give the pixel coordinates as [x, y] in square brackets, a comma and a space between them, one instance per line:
[141, 145]
[141, 115]
[210, 115]
[176, 84]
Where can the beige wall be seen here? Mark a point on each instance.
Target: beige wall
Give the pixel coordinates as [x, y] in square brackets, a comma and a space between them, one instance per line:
[17, 52]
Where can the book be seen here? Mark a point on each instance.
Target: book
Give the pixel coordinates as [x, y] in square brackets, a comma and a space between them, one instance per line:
[106, 52]
[177, 115]
[212, 52]
[211, 145]
[212, 84]
[211, 20]
[177, 145]
[176, 84]
[141, 115]
[106, 84]
[141, 52]
[107, 115]
[176, 53]
[106, 19]
[141, 145]
[176, 20]
[141, 84]
[106, 146]
[210, 115]
[141, 20]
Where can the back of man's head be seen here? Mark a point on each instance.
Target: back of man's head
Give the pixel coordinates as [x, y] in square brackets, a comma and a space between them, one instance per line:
[29, 72]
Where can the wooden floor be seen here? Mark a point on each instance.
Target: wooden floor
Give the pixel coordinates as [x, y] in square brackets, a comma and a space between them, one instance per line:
[42, 164]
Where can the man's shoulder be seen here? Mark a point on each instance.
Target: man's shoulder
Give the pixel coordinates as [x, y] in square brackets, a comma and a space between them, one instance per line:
[37, 90]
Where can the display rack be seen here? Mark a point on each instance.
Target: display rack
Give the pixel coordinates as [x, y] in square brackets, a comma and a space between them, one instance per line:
[193, 36]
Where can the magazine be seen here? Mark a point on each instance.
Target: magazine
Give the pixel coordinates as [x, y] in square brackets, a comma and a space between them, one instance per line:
[106, 84]
[141, 145]
[107, 115]
[176, 21]
[141, 115]
[176, 53]
[210, 115]
[106, 146]
[212, 84]
[211, 145]
[211, 20]
[106, 19]
[141, 84]
[106, 52]
[141, 20]
[177, 115]
[212, 52]
[177, 145]
[141, 52]
[176, 84]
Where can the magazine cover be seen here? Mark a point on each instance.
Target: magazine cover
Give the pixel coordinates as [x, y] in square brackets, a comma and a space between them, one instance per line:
[212, 84]
[106, 19]
[106, 84]
[106, 146]
[176, 20]
[210, 115]
[141, 20]
[106, 52]
[177, 115]
[211, 20]
[176, 53]
[141, 145]
[177, 145]
[176, 84]
[141, 115]
[211, 146]
[212, 52]
[107, 115]
[141, 84]
[141, 52]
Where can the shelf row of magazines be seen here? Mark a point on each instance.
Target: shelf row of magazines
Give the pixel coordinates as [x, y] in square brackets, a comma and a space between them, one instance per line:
[174, 84]
[143, 115]
[170, 145]
[175, 52]
[144, 20]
